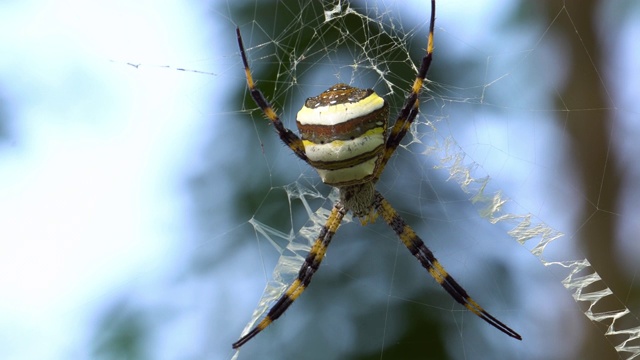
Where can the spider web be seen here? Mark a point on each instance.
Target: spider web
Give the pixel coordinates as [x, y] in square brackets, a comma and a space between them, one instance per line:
[492, 176]
[457, 139]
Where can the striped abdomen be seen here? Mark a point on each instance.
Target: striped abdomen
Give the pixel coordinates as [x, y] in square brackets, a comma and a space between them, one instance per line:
[343, 131]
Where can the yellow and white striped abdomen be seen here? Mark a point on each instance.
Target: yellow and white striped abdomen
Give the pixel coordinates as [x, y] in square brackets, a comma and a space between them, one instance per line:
[343, 131]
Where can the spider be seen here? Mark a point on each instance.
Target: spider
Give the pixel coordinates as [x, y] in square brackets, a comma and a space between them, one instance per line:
[343, 136]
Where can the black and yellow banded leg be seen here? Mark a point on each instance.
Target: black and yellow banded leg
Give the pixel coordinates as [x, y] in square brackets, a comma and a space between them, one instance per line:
[410, 109]
[395, 136]
[309, 267]
[417, 247]
[287, 136]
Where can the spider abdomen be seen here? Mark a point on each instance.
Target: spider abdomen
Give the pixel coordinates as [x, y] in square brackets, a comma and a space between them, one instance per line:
[343, 131]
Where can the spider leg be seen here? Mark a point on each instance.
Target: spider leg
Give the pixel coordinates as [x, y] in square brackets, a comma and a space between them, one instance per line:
[287, 136]
[395, 137]
[417, 247]
[309, 267]
[410, 109]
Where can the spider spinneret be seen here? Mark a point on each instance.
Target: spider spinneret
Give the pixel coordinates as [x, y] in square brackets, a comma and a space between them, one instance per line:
[344, 136]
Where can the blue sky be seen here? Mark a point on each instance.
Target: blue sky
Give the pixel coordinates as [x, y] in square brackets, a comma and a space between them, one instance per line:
[90, 192]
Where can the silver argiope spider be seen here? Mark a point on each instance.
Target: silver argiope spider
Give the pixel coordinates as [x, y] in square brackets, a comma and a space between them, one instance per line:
[343, 135]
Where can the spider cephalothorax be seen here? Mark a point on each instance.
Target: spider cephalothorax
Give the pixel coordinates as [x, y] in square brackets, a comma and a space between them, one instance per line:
[344, 136]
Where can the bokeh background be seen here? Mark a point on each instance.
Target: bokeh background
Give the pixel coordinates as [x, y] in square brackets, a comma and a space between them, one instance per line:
[127, 183]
